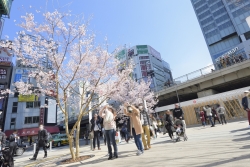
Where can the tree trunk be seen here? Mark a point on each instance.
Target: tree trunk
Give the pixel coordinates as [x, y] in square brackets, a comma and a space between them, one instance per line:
[78, 126]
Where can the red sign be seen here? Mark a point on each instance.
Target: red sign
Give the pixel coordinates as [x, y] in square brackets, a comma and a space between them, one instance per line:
[41, 118]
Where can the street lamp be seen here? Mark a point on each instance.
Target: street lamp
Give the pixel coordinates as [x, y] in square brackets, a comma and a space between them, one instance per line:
[248, 21]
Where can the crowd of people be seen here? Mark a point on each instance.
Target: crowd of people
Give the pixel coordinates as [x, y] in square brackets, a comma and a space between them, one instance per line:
[137, 124]
[227, 60]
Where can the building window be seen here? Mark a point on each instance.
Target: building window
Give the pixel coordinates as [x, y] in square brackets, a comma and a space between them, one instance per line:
[31, 120]
[29, 104]
[143, 57]
[35, 104]
[14, 107]
[13, 123]
[35, 119]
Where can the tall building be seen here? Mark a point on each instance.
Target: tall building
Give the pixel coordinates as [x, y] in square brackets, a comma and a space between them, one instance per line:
[148, 62]
[224, 26]
[5, 7]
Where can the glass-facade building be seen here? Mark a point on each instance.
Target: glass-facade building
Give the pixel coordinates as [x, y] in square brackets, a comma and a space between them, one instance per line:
[224, 26]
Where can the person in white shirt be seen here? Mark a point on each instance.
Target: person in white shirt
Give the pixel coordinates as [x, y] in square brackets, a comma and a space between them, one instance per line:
[108, 114]
[209, 114]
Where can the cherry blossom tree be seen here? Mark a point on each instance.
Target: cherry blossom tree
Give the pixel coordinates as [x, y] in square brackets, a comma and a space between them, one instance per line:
[135, 93]
[67, 64]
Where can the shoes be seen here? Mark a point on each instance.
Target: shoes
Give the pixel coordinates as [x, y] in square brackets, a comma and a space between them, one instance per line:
[116, 156]
[33, 158]
[139, 153]
[149, 146]
[145, 148]
[99, 148]
[45, 156]
[110, 158]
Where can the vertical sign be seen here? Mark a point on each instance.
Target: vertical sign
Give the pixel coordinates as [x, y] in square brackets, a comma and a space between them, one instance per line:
[41, 118]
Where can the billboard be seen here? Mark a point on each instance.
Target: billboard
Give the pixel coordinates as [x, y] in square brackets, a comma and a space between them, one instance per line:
[51, 115]
[5, 57]
[21, 75]
[27, 98]
[142, 49]
[121, 56]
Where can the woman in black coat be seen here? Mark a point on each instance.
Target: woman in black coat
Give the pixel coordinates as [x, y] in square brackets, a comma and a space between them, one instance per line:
[169, 124]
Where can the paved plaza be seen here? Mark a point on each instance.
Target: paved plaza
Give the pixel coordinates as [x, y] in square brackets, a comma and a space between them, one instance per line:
[224, 145]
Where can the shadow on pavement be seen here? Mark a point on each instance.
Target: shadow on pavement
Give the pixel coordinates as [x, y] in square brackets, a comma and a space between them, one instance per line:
[245, 147]
[248, 133]
[227, 161]
[242, 139]
[122, 154]
[239, 130]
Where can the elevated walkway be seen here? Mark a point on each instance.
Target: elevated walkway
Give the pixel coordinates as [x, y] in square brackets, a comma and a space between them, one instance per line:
[205, 82]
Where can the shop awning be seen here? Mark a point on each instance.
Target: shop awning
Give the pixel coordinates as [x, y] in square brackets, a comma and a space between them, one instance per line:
[32, 131]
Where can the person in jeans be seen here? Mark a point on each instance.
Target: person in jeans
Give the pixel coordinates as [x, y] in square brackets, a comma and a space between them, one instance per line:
[246, 104]
[202, 117]
[96, 128]
[145, 126]
[209, 114]
[135, 125]
[221, 111]
[108, 114]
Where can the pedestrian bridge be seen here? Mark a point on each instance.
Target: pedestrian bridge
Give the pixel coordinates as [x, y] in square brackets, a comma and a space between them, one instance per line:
[206, 82]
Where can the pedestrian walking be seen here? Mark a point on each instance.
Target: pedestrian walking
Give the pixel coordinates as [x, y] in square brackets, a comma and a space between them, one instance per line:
[145, 126]
[215, 116]
[13, 139]
[178, 113]
[96, 128]
[209, 114]
[153, 122]
[246, 104]
[108, 114]
[169, 124]
[135, 125]
[42, 141]
[202, 117]
[221, 111]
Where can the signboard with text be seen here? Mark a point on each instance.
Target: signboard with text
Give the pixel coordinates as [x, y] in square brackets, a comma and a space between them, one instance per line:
[5, 57]
[41, 118]
[27, 98]
[142, 49]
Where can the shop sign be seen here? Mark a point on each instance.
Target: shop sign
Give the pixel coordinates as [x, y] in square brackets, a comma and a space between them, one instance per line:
[41, 118]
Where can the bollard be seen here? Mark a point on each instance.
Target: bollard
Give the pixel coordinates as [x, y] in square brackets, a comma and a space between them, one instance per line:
[34, 148]
[50, 146]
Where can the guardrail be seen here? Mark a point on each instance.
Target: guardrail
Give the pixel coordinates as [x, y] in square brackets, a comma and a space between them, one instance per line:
[202, 72]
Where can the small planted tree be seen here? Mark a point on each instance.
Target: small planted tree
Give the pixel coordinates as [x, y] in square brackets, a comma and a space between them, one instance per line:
[67, 64]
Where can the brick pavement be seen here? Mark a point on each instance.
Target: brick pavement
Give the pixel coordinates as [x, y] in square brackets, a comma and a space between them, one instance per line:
[224, 145]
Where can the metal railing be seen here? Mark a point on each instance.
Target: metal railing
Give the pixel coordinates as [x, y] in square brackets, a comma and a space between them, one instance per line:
[202, 72]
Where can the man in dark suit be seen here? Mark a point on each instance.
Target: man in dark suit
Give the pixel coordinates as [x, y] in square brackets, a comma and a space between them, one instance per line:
[245, 103]
[41, 142]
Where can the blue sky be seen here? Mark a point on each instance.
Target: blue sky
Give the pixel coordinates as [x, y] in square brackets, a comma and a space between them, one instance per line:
[169, 26]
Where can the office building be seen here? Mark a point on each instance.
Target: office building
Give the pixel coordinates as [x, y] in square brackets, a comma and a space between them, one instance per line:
[223, 24]
[147, 63]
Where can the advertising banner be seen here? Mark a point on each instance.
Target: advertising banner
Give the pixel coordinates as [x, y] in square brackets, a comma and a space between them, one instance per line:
[41, 117]
[27, 98]
[142, 49]
[51, 115]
